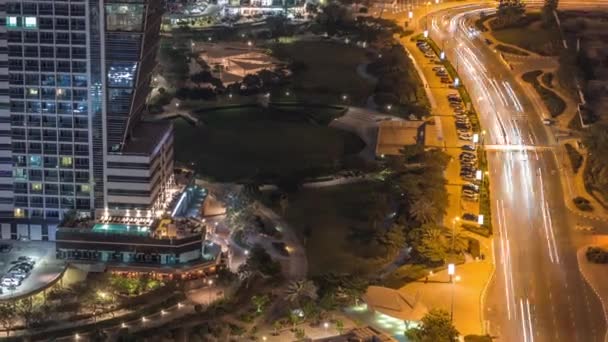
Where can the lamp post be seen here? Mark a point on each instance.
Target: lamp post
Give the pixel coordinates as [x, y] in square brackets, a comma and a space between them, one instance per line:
[210, 282]
[451, 271]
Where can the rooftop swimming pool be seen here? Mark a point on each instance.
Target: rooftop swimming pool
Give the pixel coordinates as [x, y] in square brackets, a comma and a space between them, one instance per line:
[118, 228]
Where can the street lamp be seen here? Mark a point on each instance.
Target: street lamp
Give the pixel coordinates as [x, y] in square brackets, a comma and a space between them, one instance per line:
[426, 33]
[410, 14]
[442, 55]
[451, 271]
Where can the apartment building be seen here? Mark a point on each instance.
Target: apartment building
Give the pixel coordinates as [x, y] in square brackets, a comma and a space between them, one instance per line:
[74, 77]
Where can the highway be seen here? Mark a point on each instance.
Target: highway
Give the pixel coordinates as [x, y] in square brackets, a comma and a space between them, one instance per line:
[537, 293]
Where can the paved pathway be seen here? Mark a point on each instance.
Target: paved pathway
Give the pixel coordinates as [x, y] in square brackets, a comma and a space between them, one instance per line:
[466, 294]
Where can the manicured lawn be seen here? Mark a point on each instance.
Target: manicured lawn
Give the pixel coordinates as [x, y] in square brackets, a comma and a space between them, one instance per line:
[328, 219]
[325, 70]
[239, 144]
[532, 37]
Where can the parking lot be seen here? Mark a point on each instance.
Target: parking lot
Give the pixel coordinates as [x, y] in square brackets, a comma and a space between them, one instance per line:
[45, 270]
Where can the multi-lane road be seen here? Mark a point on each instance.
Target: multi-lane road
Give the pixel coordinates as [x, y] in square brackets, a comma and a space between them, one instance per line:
[537, 293]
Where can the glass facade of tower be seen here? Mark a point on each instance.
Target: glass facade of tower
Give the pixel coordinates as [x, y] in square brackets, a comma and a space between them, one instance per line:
[73, 79]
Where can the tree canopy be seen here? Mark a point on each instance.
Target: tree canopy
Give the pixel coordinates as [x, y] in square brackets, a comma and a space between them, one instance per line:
[436, 326]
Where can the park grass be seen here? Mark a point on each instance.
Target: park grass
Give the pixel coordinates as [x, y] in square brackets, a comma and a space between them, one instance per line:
[251, 142]
[326, 220]
[326, 70]
[532, 37]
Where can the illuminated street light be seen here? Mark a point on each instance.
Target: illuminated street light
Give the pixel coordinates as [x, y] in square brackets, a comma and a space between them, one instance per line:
[246, 252]
[478, 175]
[229, 96]
[286, 93]
[480, 219]
[325, 325]
[163, 312]
[123, 325]
[426, 33]
[76, 336]
[410, 14]
[389, 107]
[442, 55]
[143, 319]
[249, 43]
[451, 270]
[475, 138]
[177, 104]
[264, 338]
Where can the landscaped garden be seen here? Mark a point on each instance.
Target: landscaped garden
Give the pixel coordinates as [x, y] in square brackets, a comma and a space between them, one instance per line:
[554, 103]
[337, 224]
[265, 144]
[528, 32]
[324, 71]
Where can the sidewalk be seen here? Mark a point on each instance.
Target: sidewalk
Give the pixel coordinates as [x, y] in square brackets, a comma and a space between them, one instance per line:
[470, 291]
[438, 292]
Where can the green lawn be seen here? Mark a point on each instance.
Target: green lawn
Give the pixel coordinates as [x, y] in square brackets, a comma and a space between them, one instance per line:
[330, 221]
[237, 144]
[326, 70]
[531, 37]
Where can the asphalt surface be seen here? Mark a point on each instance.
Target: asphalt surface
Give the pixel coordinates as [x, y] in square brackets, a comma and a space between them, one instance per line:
[538, 293]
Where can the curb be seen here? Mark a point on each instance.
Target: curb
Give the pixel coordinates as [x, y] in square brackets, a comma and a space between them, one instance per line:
[578, 263]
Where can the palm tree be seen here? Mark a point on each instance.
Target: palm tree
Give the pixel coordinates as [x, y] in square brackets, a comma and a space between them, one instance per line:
[300, 289]
[260, 302]
[458, 238]
[423, 210]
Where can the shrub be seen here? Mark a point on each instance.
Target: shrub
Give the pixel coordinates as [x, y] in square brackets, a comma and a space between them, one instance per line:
[555, 104]
[473, 228]
[597, 255]
[576, 159]
[582, 204]
[478, 338]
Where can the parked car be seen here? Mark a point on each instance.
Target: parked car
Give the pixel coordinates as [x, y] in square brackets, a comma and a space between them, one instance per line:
[438, 68]
[25, 266]
[471, 187]
[441, 73]
[469, 217]
[446, 80]
[467, 148]
[5, 248]
[8, 282]
[17, 275]
[470, 198]
[429, 54]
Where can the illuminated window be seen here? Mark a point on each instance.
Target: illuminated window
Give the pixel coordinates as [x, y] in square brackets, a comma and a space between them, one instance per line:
[18, 212]
[31, 22]
[66, 161]
[20, 174]
[36, 187]
[33, 91]
[124, 17]
[85, 188]
[11, 22]
[35, 161]
[121, 74]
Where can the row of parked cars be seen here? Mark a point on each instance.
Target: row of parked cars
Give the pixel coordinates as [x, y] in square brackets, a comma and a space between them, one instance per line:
[21, 269]
[468, 169]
